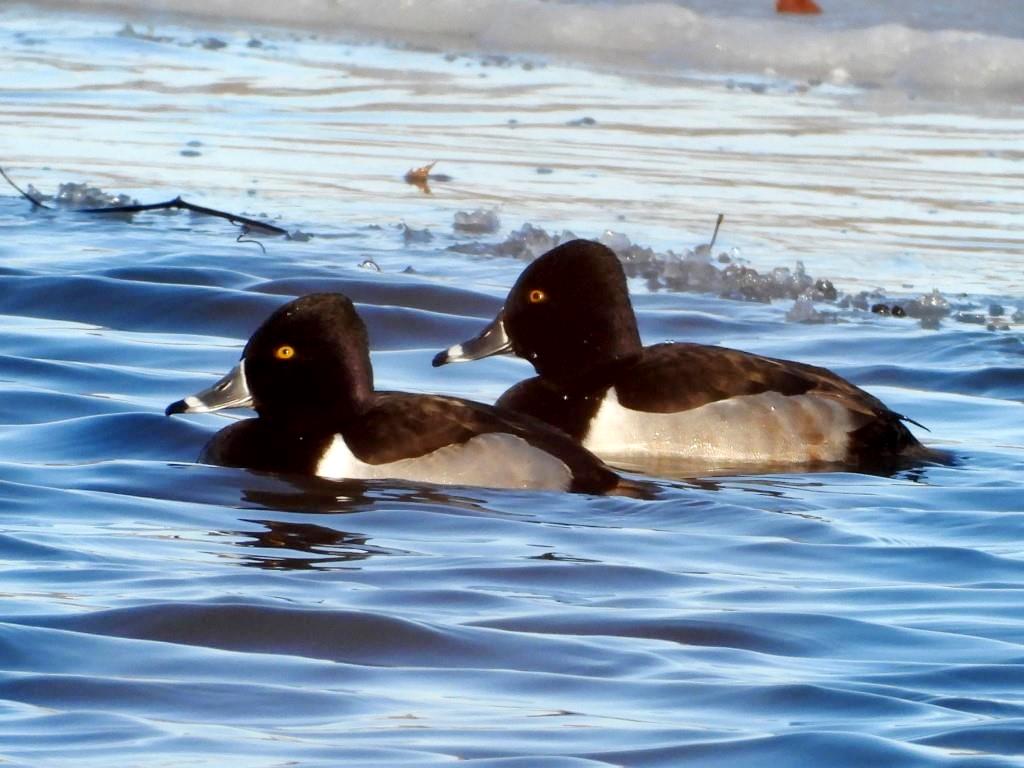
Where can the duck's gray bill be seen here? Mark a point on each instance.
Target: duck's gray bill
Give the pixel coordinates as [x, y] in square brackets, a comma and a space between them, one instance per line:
[230, 392]
[492, 341]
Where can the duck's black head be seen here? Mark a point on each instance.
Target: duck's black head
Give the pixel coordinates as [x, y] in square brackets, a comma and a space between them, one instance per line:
[306, 367]
[568, 313]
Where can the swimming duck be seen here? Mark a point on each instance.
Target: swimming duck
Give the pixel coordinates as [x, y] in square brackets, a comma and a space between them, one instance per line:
[306, 371]
[569, 314]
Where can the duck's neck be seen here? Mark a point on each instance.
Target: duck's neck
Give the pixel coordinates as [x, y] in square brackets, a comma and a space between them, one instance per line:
[592, 378]
[599, 349]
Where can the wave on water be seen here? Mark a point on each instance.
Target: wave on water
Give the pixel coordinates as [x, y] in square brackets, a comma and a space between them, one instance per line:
[970, 51]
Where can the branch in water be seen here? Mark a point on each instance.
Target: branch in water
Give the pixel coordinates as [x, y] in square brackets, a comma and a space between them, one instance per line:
[714, 235]
[22, 192]
[184, 205]
[251, 225]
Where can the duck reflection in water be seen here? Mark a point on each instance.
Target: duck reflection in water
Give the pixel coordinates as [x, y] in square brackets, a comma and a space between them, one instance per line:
[317, 546]
[303, 546]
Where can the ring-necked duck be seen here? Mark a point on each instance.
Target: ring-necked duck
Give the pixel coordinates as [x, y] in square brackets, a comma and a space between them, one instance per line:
[569, 314]
[306, 371]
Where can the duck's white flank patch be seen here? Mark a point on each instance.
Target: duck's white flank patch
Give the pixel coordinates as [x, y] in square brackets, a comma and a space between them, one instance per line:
[493, 460]
[769, 427]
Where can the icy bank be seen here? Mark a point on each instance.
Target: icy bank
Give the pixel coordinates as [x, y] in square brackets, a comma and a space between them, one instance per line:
[970, 51]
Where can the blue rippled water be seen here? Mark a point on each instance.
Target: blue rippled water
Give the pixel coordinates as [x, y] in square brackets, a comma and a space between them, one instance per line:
[158, 612]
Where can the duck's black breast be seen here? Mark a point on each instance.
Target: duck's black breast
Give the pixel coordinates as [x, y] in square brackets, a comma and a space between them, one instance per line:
[569, 411]
[256, 444]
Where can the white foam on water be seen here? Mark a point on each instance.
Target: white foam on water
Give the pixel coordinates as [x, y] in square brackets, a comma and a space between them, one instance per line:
[966, 50]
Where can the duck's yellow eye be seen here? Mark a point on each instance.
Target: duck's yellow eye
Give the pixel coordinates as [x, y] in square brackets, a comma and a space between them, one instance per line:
[284, 352]
[537, 296]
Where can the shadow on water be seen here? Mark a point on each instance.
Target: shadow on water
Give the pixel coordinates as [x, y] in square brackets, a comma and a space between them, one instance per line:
[318, 546]
[708, 476]
[317, 495]
[323, 546]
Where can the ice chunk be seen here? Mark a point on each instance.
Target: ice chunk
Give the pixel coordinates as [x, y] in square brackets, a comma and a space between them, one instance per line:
[529, 242]
[477, 222]
[617, 241]
[410, 235]
[84, 196]
[803, 311]
[731, 277]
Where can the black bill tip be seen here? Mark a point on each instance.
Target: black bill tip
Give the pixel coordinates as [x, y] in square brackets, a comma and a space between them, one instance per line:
[178, 406]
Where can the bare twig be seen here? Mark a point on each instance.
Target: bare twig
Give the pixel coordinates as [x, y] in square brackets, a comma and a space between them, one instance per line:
[248, 225]
[178, 203]
[714, 235]
[22, 192]
[243, 239]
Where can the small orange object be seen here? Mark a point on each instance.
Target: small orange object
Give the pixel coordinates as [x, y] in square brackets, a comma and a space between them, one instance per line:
[796, 6]
[420, 177]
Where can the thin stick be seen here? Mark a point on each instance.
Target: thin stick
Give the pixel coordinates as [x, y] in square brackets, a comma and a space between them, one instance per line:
[714, 235]
[176, 203]
[22, 192]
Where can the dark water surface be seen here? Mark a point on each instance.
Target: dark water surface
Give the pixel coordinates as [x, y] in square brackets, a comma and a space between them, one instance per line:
[157, 612]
